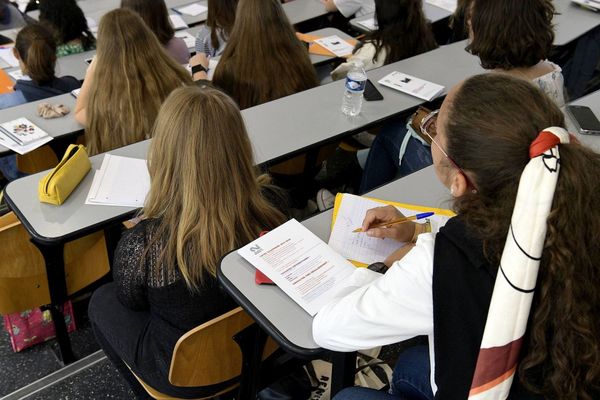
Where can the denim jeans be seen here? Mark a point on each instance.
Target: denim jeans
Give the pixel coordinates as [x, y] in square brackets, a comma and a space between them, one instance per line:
[8, 167]
[383, 162]
[410, 380]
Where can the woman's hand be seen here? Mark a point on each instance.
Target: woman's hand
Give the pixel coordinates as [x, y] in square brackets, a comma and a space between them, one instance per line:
[401, 232]
[199, 59]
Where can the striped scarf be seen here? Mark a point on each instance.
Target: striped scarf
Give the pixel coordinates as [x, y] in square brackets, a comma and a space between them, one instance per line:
[517, 274]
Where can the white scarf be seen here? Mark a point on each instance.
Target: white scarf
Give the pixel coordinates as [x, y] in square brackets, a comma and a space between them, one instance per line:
[517, 274]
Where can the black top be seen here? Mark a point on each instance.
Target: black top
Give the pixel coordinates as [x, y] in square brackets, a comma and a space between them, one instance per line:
[34, 91]
[171, 307]
[463, 282]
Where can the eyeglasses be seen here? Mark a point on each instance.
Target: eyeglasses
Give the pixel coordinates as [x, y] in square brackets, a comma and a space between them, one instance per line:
[428, 127]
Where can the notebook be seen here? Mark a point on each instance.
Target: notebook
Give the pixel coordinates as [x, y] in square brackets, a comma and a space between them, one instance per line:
[361, 250]
[190, 40]
[120, 181]
[193, 9]
[448, 5]
[368, 23]
[177, 22]
[593, 5]
[6, 54]
[411, 85]
[22, 136]
[6, 83]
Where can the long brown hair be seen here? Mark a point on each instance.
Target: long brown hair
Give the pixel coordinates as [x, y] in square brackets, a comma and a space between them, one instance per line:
[204, 191]
[510, 34]
[220, 19]
[263, 59]
[402, 30]
[491, 123]
[132, 77]
[37, 50]
[155, 15]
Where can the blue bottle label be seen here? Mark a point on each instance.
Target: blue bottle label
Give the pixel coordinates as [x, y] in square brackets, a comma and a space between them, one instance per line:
[355, 86]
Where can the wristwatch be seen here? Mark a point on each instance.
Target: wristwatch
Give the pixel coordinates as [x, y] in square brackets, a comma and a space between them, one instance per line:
[378, 267]
[199, 68]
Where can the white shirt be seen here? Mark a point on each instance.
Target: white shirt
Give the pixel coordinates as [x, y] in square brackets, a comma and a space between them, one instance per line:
[358, 7]
[383, 309]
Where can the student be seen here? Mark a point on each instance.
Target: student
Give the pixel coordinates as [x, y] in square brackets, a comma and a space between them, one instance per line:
[348, 8]
[212, 36]
[68, 22]
[263, 34]
[165, 267]
[509, 36]
[10, 16]
[441, 286]
[126, 83]
[402, 32]
[35, 49]
[156, 16]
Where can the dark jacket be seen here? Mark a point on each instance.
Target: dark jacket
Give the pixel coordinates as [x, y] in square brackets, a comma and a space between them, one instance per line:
[34, 91]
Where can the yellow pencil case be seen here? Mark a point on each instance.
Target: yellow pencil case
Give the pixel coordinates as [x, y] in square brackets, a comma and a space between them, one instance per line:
[57, 185]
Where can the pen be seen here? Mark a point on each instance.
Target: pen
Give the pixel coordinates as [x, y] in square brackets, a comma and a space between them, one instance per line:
[399, 221]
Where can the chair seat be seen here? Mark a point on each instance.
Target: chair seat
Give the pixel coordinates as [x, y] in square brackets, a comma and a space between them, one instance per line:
[161, 396]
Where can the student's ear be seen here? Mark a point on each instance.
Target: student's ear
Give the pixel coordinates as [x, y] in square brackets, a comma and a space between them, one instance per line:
[458, 185]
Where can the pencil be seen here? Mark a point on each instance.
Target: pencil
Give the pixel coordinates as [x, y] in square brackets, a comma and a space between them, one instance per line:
[398, 221]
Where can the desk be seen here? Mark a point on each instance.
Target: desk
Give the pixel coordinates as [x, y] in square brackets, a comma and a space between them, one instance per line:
[316, 59]
[572, 21]
[53, 226]
[275, 311]
[304, 10]
[293, 124]
[297, 10]
[592, 100]
[73, 65]
[56, 127]
[432, 13]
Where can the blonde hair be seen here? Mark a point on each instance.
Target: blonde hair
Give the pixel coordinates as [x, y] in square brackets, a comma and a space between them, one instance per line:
[204, 191]
[133, 75]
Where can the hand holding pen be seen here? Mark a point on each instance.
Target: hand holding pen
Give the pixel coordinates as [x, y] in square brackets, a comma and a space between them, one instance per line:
[388, 222]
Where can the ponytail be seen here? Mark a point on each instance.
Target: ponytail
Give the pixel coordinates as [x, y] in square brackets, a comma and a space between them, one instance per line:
[37, 50]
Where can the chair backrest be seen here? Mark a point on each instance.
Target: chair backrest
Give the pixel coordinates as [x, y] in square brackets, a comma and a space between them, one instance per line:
[208, 354]
[23, 281]
[38, 160]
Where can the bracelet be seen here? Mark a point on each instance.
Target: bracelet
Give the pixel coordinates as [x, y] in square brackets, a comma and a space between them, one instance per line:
[198, 68]
[420, 228]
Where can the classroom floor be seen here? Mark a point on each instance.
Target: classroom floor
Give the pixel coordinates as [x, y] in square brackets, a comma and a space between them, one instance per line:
[95, 379]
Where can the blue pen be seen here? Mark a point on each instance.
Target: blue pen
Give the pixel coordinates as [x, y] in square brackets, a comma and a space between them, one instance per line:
[399, 221]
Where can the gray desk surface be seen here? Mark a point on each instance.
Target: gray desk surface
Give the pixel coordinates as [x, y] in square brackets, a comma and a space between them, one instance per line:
[74, 215]
[572, 21]
[303, 10]
[54, 127]
[297, 10]
[592, 100]
[311, 117]
[432, 13]
[287, 317]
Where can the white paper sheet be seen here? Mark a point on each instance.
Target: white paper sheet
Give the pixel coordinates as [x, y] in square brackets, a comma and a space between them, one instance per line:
[449, 5]
[22, 131]
[336, 45]
[193, 9]
[75, 92]
[189, 39]
[413, 86]
[6, 142]
[120, 181]
[16, 74]
[177, 22]
[6, 54]
[368, 23]
[358, 246]
[300, 263]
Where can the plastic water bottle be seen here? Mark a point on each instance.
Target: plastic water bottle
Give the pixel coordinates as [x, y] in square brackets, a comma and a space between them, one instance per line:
[355, 86]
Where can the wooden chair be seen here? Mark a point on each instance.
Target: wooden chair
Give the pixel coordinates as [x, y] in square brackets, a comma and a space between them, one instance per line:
[40, 159]
[23, 281]
[209, 355]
